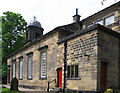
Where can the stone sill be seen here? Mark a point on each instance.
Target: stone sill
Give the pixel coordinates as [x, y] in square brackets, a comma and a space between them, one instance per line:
[42, 78]
[73, 78]
[29, 78]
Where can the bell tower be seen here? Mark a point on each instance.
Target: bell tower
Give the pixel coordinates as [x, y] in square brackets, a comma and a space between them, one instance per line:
[34, 30]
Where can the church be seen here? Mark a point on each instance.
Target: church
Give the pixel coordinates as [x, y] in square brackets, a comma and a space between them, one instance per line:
[81, 56]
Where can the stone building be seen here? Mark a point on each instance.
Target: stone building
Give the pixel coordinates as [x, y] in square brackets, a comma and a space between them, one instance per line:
[83, 55]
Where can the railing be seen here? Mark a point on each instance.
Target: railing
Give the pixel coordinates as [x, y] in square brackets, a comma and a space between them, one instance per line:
[49, 84]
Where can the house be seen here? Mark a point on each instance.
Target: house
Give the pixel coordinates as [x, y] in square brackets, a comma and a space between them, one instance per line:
[83, 55]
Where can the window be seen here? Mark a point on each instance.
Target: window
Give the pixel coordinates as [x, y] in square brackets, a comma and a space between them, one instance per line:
[68, 69]
[99, 22]
[14, 69]
[20, 68]
[36, 35]
[27, 36]
[72, 71]
[90, 25]
[109, 20]
[43, 64]
[30, 66]
[76, 70]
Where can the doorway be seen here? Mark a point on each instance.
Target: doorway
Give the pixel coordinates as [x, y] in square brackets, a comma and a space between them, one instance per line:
[103, 74]
[59, 77]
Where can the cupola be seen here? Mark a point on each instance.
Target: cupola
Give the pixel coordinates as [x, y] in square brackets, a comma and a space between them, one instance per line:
[35, 23]
[34, 30]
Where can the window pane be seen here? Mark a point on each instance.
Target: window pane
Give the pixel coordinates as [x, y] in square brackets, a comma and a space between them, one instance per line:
[109, 20]
[76, 70]
[68, 73]
[43, 64]
[13, 69]
[72, 71]
[21, 69]
[30, 67]
[99, 22]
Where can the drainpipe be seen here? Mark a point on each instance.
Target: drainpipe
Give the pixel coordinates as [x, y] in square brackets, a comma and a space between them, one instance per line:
[65, 64]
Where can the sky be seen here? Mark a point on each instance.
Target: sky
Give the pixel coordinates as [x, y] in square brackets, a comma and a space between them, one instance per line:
[53, 13]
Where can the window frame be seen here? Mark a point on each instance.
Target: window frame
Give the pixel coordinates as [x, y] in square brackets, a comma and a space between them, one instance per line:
[29, 56]
[76, 72]
[40, 77]
[14, 73]
[101, 18]
[107, 18]
[72, 72]
[69, 75]
[97, 22]
[20, 69]
[68, 71]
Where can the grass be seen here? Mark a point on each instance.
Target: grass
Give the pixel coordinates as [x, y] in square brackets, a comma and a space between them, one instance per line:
[7, 90]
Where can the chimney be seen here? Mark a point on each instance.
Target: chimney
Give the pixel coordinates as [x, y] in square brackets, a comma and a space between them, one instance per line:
[76, 18]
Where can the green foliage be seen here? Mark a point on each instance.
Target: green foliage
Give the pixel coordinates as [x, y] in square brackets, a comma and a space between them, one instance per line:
[13, 35]
[13, 30]
[4, 69]
[0, 50]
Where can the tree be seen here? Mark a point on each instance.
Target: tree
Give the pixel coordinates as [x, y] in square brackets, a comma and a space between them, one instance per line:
[13, 35]
[13, 30]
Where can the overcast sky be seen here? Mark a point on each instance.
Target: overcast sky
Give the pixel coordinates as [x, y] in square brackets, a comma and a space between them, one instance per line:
[53, 13]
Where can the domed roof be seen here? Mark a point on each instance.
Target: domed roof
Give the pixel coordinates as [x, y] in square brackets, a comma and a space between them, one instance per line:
[35, 23]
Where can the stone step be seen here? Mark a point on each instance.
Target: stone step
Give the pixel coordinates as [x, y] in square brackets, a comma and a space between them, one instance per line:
[56, 89]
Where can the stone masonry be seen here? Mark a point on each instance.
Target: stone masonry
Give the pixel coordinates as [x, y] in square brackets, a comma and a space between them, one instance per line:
[51, 59]
[108, 52]
[87, 65]
[89, 45]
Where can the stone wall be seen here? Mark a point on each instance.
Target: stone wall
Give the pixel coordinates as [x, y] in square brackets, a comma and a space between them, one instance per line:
[87, 50]
[77, 51]
[108, 53]
[51, 41]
